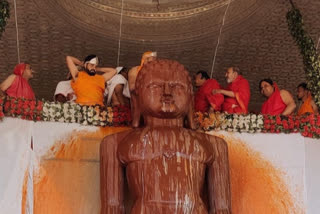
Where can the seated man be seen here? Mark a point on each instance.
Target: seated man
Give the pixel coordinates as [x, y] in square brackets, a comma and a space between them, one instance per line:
[64, 91]
[17, 84]
[278, 102]
[204, 99]
[237, 93]
[169, 168]
[132, 75]
[117, 88]
[307, 105]
[88, 86]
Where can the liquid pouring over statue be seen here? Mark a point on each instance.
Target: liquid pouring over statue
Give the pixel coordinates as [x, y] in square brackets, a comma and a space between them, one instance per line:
[169, 168]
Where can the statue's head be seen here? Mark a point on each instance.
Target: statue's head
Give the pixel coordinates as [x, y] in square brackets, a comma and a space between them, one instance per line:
[164, 90]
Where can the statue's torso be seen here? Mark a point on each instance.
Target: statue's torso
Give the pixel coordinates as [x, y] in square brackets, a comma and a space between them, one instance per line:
[166, 168]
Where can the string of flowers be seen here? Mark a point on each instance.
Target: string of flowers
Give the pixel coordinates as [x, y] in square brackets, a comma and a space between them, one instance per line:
[308, 51]
[250, 123]
[86, 115]
[37, 110]
[308, 125]
[4, 15]
[23, 108]
[1, 109]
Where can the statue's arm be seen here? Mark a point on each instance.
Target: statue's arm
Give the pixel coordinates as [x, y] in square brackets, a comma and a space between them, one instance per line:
[111, 176]
[219, 178]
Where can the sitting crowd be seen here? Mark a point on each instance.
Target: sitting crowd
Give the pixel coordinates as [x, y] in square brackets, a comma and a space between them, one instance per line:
[89, 84]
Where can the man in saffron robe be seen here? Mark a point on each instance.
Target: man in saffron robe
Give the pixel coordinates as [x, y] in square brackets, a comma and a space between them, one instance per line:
[132, 76]
[87, 85]
[17, 84]
[278, 102]
[308, 105]
[204, 99]
[237, 93]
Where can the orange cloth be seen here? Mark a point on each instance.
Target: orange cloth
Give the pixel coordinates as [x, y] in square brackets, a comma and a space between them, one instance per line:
[145, 54]
[274, 105]
[306, 106]
[20, 86]
[89, 89]
[241, 89]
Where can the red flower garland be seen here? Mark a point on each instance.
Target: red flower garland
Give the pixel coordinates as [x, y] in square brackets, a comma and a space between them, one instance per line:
[1, 108]
[23, 108]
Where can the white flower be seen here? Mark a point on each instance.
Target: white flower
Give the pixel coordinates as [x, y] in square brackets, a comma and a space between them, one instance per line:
[260, 122]
[72, 111]
[234, 122]
[253, 117]
[51, 111]
[45, 109]
[65, 106]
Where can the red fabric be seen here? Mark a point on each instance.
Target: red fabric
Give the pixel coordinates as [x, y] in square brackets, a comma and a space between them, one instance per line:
[20, 86]
[274, 105]
[204, 96]
[19, 69]
[241, 89]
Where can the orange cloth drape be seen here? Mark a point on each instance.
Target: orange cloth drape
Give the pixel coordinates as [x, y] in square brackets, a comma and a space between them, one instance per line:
[20, 86]
[306, 107]
[89, 89]
[274, 105]
[241, 89]
[145, 55]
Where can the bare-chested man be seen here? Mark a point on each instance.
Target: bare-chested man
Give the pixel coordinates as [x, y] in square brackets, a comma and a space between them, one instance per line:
[166, 164]
[132, 75]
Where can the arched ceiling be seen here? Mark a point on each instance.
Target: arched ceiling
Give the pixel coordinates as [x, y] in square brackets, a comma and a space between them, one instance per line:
[151, 20]
[255, 37]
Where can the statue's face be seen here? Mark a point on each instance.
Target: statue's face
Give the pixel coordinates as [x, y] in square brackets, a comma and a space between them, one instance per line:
[164, 94]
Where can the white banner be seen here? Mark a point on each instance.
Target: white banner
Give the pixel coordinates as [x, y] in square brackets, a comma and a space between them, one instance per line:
[270, 173]
[15, 166]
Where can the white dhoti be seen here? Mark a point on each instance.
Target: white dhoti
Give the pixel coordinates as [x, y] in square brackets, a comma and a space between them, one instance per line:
[112, 83]
[64, 88]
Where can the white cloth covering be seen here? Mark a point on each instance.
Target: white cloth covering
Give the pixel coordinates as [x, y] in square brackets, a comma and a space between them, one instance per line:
[64, 88]
[112, 83]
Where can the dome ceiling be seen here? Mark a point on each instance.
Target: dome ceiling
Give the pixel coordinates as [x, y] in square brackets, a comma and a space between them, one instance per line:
[255, 37]
[151, 20]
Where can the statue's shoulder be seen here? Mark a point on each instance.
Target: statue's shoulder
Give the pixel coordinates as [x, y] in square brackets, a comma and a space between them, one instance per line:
[210, 138]
[117, 137]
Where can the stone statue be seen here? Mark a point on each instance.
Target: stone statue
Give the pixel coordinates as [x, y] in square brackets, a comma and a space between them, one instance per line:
[168, 168]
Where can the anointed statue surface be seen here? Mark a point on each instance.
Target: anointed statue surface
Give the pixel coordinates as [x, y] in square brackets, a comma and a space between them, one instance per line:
[168, 168]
